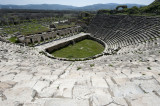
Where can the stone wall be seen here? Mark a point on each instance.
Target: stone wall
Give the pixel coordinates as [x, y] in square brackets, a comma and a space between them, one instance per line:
[64, 44]
[38, 38]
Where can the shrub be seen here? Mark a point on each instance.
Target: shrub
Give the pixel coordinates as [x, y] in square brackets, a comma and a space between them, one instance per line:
[110, 65]
[91, 65]
[13, 40]
[78, 68]
[149, 68]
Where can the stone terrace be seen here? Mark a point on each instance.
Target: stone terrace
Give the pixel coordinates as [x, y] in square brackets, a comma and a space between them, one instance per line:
[28, 78]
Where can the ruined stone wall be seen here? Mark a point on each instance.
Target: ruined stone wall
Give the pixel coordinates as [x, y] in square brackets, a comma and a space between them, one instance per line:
[38, 38]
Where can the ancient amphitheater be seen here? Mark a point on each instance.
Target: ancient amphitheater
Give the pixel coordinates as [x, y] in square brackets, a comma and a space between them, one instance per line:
[128, 74]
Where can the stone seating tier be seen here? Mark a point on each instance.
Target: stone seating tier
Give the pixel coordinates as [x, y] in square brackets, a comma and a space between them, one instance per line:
[120, 31]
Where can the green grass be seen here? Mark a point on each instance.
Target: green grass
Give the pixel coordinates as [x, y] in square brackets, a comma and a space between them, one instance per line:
[78, 68]
[26, 29]
[91, 65]
[65, 25]
[110, 65]
[13, 39]
[82, 49]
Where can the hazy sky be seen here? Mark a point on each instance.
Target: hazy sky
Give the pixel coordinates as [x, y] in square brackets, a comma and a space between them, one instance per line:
[73, 2]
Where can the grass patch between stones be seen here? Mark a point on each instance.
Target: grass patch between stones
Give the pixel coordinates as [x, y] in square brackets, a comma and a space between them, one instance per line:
[13, 39]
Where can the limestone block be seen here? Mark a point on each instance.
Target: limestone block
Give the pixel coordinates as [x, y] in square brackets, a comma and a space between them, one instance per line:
[9, 103]
[48, 92]
[82, 92]
[40, 85]
[119, 100]
[4, 86]
[150, 86]
[157, 93]
[120, 81]
[21, 77]
[20, 94]
[41, 70]
[134, 74]
[49, 77]
[99, 82]
[28, 83]
[124, 90]
[66, 102]
[109, 81]
[65, 88]
[8, 77]
[33, 104]
[101, 97]
[58, 72]
[143, 100]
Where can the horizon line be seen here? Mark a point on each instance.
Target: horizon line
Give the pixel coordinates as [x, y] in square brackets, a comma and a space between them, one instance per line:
[73, 5]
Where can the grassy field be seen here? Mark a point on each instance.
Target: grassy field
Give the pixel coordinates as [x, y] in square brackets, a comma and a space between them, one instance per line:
[82, 49]
[31, 28]
[26, 29]
[65, 26]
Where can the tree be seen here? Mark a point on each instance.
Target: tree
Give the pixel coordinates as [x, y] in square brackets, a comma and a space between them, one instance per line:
[153, 8]
[134, 10]
[105, 11]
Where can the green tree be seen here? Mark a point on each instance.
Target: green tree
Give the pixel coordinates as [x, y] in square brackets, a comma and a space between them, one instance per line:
[134, 10]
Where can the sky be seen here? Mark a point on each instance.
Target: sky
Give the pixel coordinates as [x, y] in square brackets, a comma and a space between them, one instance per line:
[78, 3]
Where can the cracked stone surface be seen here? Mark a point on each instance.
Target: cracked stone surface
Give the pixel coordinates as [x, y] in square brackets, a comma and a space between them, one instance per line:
[28, 78]
[20, 94]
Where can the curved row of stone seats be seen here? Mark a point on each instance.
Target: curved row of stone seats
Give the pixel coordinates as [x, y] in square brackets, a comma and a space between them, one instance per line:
[139, 39]
[38, 38]
[140, 47]
[119, 31]
[124, 36]
[151, 33]
[139, 52]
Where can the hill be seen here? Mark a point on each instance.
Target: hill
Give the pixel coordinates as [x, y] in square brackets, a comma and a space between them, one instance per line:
[38, 6]
[66, 7]
[106, 6]
[153, 7]
[151, 10]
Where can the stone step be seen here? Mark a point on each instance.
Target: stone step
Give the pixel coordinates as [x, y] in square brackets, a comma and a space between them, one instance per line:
[61, 102]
